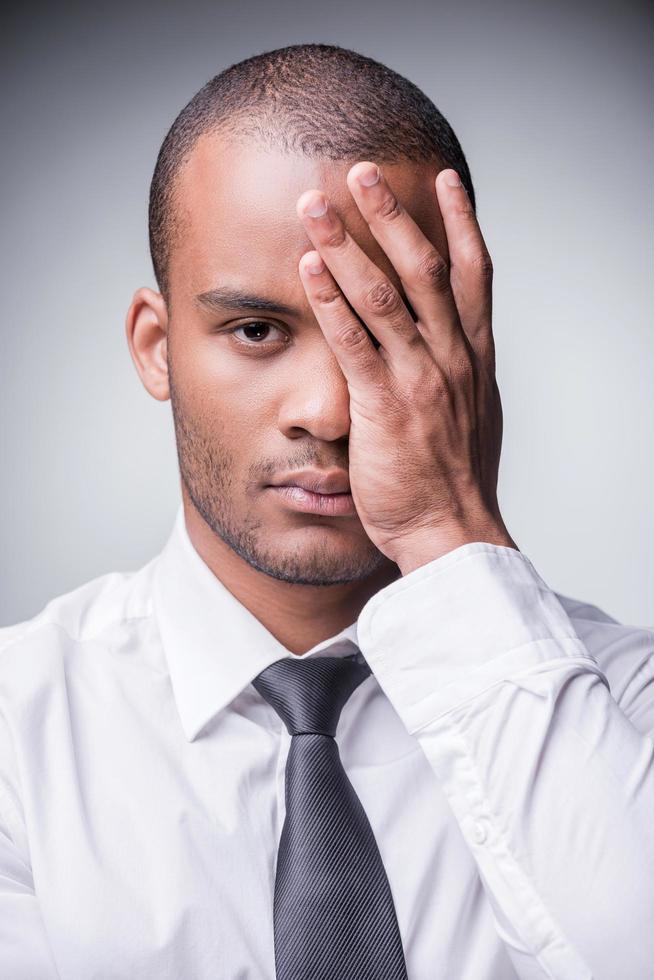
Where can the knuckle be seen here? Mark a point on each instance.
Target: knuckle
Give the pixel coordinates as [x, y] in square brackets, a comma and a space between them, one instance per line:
[381, 299]
[351, 337]
[389, 209]
[433, 272]
[336, 238]
[467, 211]
[328, 295]
[483, 266]
[435, 387]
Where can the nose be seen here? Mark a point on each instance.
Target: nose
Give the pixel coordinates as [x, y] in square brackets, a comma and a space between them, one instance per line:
[316, 399]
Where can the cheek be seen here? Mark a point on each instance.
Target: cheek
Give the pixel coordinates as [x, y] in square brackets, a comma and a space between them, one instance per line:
[208, 375]
[229, 409]
[234, 397]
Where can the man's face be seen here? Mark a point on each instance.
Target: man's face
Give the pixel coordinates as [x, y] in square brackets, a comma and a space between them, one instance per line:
[251, 404]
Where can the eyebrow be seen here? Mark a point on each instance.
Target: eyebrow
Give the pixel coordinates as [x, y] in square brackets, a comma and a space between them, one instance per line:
[224, 298]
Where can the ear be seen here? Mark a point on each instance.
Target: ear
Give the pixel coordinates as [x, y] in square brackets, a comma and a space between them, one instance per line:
[146, 327]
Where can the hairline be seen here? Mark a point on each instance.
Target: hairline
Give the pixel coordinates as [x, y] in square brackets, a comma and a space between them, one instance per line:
[267, 139]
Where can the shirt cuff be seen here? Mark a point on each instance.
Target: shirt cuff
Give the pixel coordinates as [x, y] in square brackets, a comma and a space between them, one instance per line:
[454, 627]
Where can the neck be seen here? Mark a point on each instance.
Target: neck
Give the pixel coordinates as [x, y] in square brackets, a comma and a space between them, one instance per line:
[298, 616]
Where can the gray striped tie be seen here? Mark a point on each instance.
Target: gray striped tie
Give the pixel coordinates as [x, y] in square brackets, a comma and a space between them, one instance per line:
[334, 917]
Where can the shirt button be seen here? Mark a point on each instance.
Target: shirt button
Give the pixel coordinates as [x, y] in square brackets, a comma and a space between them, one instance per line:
[480, 832]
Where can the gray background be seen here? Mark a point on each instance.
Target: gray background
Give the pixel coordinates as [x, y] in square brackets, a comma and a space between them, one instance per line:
[552, 104]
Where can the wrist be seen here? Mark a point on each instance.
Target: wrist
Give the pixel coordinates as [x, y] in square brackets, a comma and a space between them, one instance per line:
[428, 545]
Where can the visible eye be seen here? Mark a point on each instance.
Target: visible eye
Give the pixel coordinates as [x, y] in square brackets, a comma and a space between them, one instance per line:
[254, 331]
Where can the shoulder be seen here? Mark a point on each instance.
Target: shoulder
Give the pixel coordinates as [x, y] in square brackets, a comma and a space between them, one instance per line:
[62, 657]
[88, 613]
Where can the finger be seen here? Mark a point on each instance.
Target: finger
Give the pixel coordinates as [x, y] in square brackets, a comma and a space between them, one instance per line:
[360, 362]
[422, 269]
[368, 290]
[471, 268]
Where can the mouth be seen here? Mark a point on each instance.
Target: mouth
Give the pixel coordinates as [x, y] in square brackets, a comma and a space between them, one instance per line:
[308, 501]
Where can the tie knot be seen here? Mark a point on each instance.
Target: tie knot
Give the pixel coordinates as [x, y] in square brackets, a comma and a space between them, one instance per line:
[308, 695]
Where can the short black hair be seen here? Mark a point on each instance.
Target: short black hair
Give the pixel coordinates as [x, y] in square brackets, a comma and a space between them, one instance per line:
[318, 100]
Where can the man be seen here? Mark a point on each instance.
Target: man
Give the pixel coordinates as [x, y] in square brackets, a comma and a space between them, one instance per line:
[340, 727]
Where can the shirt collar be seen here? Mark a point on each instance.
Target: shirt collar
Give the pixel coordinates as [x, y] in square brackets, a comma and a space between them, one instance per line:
[213, 644]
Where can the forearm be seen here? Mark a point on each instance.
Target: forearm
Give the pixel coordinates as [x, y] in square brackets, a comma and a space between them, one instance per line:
[552, 785]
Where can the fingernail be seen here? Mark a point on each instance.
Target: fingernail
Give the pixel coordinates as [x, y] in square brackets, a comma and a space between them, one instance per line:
[369, 177]
[317, 208]
[452, 178]
[315, 267]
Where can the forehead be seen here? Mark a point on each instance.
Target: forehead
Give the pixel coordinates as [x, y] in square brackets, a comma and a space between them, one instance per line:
[237, 205]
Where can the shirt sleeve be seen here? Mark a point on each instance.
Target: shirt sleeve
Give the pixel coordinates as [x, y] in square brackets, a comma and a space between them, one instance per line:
[24, 949]
[550, 780]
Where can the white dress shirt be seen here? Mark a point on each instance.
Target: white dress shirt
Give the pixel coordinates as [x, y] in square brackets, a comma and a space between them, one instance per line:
[501, 747]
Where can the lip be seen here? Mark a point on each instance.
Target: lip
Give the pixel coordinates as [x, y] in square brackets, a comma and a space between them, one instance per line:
[326, 504]
[317, 481]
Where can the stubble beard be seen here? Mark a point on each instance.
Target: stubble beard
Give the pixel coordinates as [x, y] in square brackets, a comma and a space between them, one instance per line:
[207, 472]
